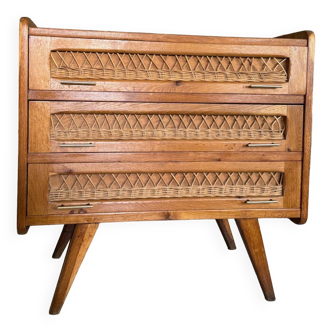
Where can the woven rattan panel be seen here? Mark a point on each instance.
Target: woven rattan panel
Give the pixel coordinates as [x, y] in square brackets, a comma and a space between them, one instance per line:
[71, 126]
[134, 66]
[157, 185]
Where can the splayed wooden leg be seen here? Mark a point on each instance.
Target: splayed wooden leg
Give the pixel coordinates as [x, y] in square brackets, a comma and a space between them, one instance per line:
[65, 237]
[79, 244]
[252, 238]
[226, 232]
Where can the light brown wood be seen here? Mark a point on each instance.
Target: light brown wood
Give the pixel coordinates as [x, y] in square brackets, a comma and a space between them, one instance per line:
[308, 117]
[39, 126]
[40, 78]
[82, 237]
[294, 128]
[307, 129]
[154, 145]
[165, 97]
[25, 23]
[163, 167]
[50, 158]
[154, 204]
[67, 33]
[292, 185]
[166, 108]
[226, 232]
[37, 184]
[161, 215]
[252, 238]
[64, 239]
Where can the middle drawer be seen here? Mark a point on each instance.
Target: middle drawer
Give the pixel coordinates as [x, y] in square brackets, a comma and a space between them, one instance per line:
[128, 127]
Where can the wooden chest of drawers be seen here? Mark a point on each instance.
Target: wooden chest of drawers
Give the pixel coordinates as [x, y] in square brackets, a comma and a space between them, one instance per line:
[126, 126]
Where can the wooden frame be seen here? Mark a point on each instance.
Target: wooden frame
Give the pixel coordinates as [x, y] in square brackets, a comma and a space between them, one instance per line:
[25, 23]
[310, 37]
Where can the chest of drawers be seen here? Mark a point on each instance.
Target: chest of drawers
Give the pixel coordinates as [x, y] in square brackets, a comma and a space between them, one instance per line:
[131, 127]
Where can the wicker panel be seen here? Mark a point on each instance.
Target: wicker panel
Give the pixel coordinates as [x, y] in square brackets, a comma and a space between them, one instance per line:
[134, 66]
[156, 185]
[71, 126]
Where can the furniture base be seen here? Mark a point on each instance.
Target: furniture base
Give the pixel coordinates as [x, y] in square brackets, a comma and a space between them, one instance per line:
[80, 236]
[79, 244]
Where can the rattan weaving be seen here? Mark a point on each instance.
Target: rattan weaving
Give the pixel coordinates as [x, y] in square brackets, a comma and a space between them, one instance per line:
[66, 187]
[135, 66]
[65, 126]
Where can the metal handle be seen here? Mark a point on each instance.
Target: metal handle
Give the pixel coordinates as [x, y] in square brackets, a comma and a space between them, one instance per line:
[261, 86]
[263, 144]
[62, 207]
[261, 202]
[77, 83]
[76, 145]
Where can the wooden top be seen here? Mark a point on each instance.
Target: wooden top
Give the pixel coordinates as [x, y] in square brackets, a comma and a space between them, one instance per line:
[68, 33]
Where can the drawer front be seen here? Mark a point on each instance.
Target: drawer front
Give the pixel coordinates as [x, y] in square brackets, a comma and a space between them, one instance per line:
[133, 66]
[128, 187]
[128, 127]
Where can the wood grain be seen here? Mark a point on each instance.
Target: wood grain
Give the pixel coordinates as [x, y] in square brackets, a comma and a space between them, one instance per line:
[216, 156]
[253, 241]
[39, 126]
[81, 240]
[25, 23]
[154, 37]
[158, 204]
[310, 37]
[212, 98]
[292, 184]
[294, 128]
[161, 215]
[163, 167]
[165, 108]
[37, 195]
[226, 232]
[39, 71]
[308, 136]
[64, 239]
[164, 47]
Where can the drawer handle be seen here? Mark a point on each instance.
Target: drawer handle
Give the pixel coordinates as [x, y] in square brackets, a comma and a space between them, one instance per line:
[63, 207]
[261, 202]
[77, 145]
[77, 83]
[261, 86]
[263, 144]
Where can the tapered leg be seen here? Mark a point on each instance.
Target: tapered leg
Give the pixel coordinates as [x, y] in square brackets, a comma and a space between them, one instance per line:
[252, 238]
[79, 244]
[226, 232]
[65, 236]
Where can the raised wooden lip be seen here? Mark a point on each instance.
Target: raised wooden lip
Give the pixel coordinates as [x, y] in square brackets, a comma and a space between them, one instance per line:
[160, 37]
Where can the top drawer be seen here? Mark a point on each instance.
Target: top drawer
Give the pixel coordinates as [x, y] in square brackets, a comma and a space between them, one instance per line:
[134, 66]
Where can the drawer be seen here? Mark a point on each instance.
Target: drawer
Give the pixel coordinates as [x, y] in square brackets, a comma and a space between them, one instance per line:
[129, 187]
[129, 127]
[134, 66]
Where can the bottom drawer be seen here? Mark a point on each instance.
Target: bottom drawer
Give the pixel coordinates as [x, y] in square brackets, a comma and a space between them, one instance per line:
[129, 187]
